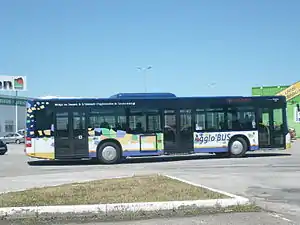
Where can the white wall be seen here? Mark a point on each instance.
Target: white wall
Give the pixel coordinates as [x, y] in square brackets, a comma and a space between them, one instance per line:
[8, 112]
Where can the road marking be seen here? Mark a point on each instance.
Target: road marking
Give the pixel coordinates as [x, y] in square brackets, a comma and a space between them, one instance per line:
[276, 215]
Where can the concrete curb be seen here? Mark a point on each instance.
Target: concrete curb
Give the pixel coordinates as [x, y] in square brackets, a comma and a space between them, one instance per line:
[111, 209]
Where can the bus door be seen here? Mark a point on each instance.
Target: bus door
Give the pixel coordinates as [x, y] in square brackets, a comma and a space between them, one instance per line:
[71, 135]
[186, 134]
[178, 136]
[271, 128]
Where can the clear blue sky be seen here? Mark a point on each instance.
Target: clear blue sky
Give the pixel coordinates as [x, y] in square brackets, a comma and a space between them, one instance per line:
[92, 47]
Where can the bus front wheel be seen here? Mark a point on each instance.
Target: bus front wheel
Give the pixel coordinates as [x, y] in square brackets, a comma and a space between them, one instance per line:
[109, 153]
[238, 147]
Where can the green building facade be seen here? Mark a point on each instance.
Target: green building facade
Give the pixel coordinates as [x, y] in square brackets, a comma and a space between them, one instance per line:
[292, 93]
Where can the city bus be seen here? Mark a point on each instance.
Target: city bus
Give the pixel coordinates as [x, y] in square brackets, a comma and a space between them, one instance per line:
[153, 124]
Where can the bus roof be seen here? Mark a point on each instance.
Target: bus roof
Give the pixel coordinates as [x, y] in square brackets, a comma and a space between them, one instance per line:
[143, 95]
[161, 95]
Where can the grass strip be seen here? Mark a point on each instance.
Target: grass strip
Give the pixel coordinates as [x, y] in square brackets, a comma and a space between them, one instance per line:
[154, 188]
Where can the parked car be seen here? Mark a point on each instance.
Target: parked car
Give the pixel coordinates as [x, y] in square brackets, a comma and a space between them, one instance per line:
[13, 138]
[3, 148]
[21, 132]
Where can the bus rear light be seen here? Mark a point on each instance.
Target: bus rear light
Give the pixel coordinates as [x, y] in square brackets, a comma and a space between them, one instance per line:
[28, 142]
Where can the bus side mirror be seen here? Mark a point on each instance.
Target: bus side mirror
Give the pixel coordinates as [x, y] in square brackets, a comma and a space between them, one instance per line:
[298, 107]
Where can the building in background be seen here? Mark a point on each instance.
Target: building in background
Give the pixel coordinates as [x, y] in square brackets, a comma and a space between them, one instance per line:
[292, 94]
[8, 113]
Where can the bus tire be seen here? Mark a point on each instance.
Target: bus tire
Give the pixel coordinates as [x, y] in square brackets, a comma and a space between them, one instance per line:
[109, 153]
[238, 147]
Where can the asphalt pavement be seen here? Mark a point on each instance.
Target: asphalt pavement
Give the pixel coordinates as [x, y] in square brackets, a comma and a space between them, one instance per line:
[268, 178]
[219, 219]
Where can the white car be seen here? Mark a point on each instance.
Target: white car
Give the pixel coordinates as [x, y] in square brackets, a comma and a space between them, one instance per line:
[13, 138]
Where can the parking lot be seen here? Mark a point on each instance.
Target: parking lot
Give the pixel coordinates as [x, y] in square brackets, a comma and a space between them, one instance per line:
[271, 180]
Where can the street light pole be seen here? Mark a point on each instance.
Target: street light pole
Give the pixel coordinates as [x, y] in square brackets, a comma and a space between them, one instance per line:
[16, 113]
[144, 70]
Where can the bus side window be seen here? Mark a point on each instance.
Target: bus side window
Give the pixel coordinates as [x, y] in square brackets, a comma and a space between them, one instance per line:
[154, 123]
[241, 118]
[106, 124]
[249, 120]
[278, 120]
[215, 120]
[137, 121]
[108, 119]
[200, 120]
[144, 121]
[234, 121]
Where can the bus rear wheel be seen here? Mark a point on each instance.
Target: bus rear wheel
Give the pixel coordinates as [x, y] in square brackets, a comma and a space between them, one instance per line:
[238, 147]
[109, 153]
